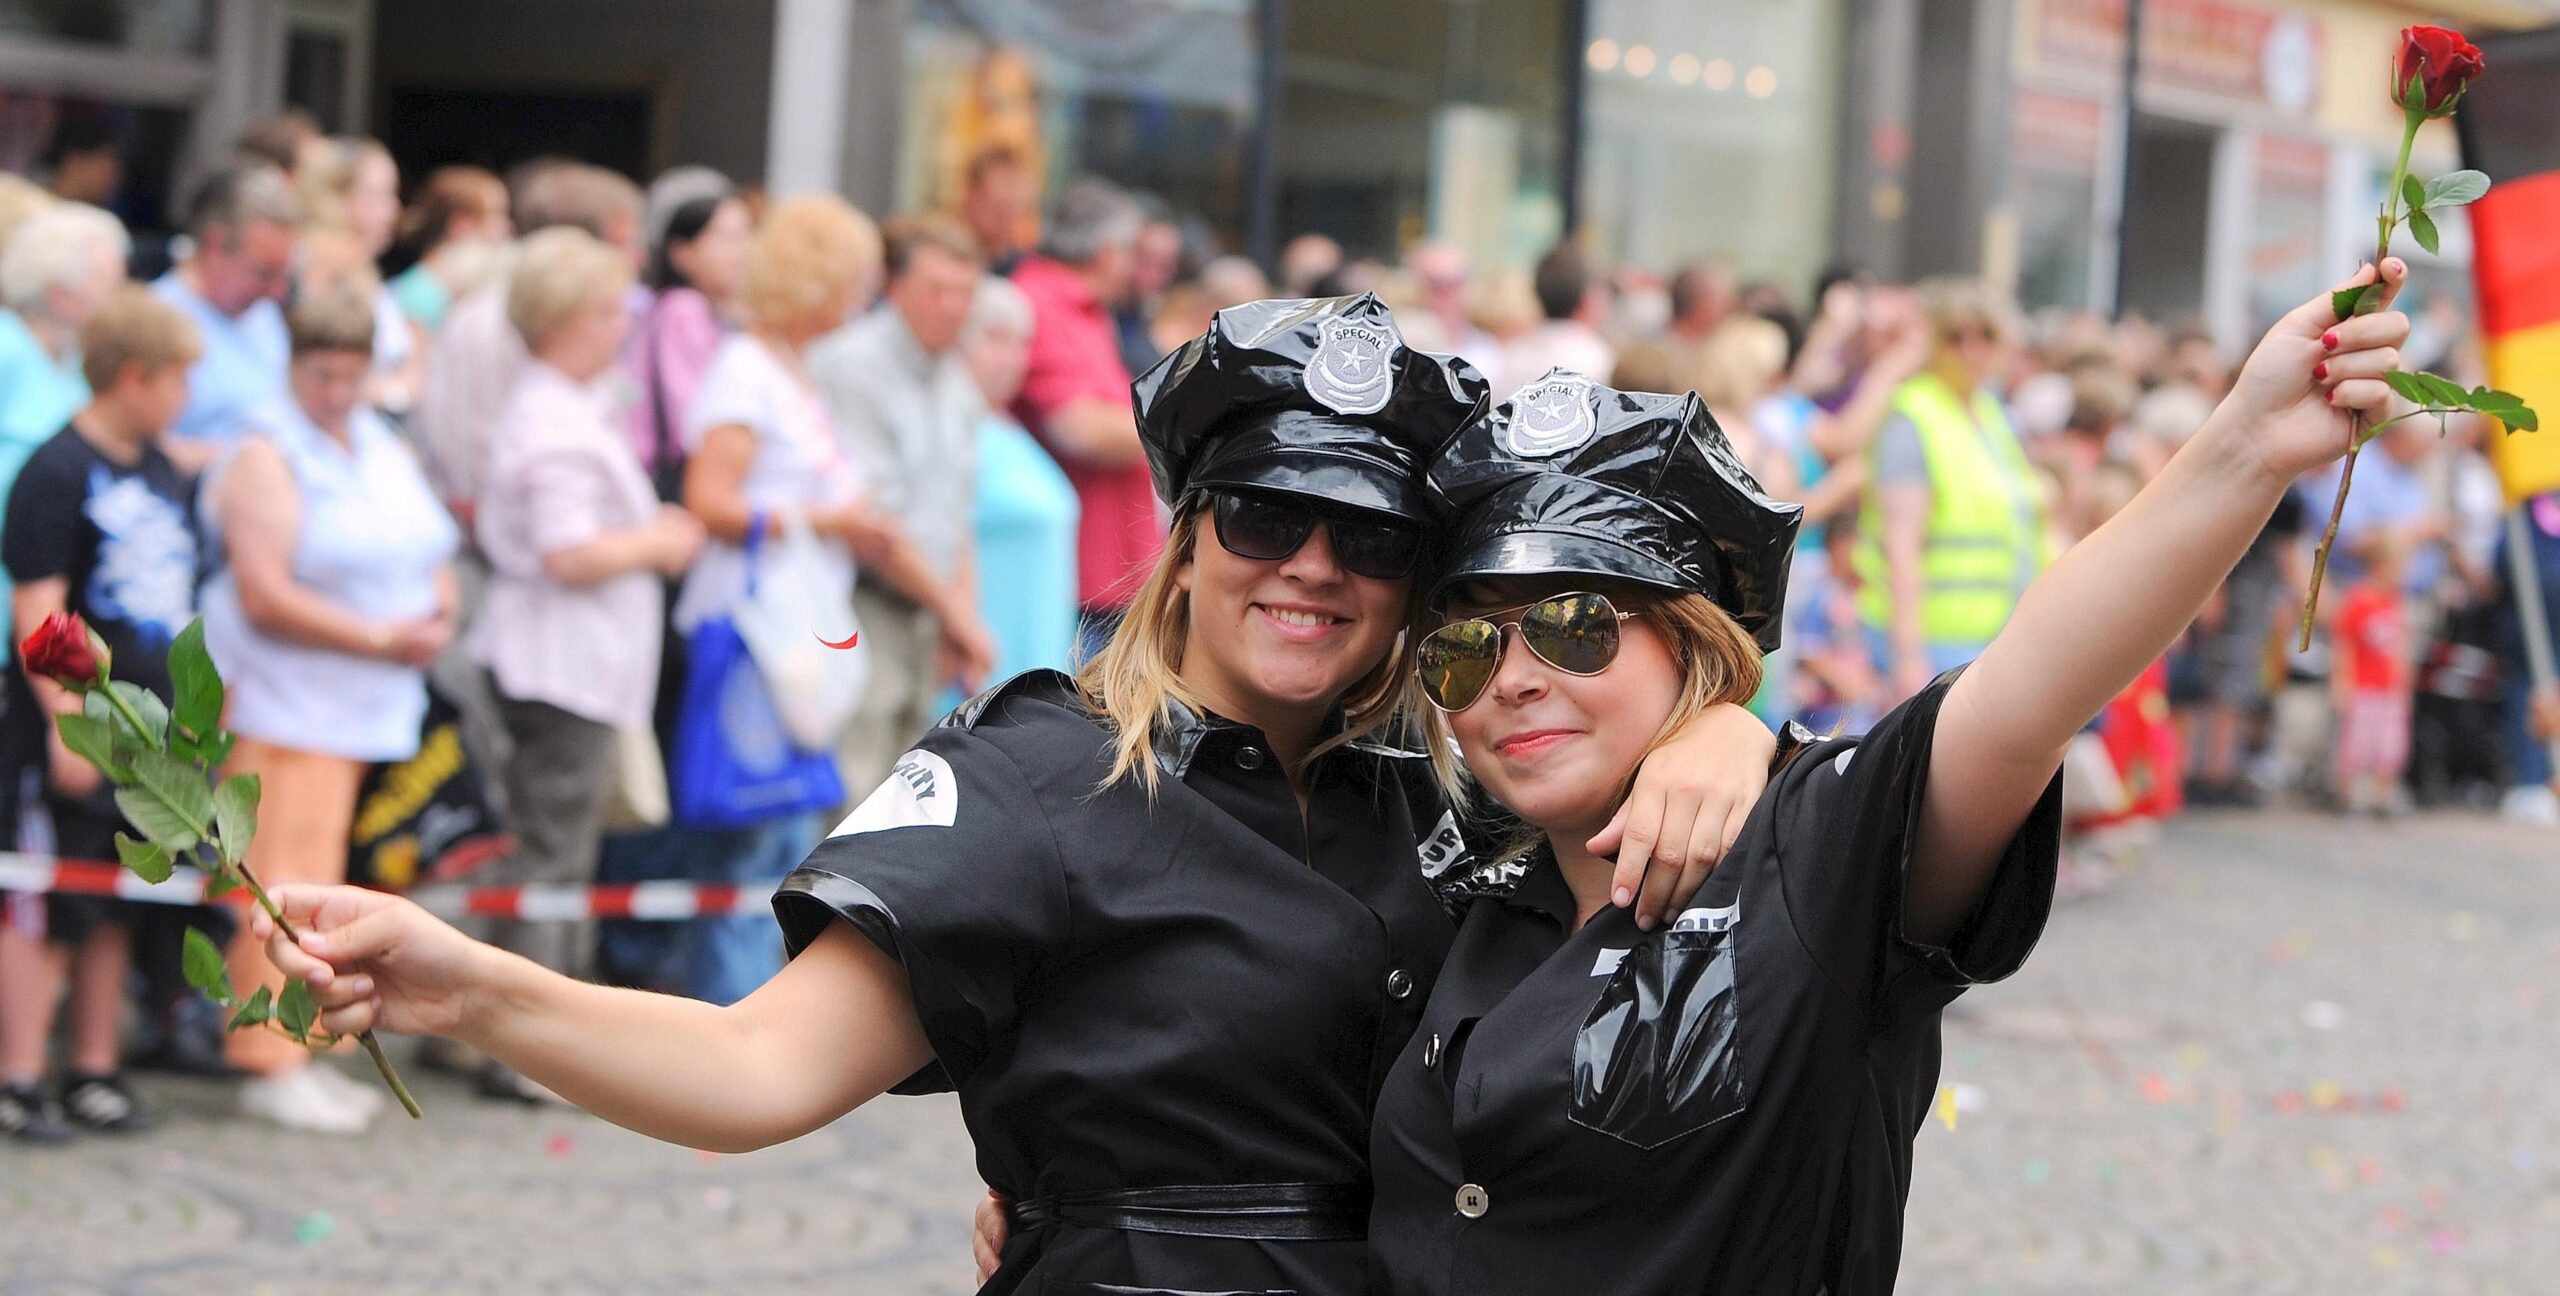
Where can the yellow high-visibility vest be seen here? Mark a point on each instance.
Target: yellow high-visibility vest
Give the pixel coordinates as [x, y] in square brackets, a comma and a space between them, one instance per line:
[1979, 551]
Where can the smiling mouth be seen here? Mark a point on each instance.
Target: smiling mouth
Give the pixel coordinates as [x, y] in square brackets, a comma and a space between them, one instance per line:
[1532, 742]
[1300, 620]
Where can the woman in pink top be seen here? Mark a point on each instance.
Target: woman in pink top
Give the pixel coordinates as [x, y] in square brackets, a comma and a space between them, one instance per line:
[577, 543]
[697, 265]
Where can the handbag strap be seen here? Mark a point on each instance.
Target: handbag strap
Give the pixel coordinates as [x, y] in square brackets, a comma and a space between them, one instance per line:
[753, 546]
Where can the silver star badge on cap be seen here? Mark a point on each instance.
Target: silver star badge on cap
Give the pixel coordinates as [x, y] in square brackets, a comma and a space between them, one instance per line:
[1550, 416]
[1353, 369]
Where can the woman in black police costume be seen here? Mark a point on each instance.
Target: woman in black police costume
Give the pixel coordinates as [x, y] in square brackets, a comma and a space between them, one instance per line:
[1163, 927]
[1729, 1104]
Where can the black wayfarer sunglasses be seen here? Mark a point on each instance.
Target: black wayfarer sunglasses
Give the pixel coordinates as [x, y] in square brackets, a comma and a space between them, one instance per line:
[1268, 528]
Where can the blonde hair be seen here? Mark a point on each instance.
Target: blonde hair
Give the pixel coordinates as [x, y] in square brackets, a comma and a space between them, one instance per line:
[57, 247]
[134, 327]
[561, 271]
[1737, 362]
[811, 252]
[1719, 663]
[325, 171]
[1134, 682]
[21, 200]
[1951, 302]
[333, 318]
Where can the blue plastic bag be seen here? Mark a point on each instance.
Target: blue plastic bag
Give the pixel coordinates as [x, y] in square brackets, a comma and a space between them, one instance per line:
[734, 765]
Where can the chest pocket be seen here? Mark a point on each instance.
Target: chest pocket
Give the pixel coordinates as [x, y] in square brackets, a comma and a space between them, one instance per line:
[1661, 1053]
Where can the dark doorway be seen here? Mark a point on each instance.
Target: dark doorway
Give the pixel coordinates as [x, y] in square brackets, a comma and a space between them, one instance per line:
[2165, 224]
[426, 127]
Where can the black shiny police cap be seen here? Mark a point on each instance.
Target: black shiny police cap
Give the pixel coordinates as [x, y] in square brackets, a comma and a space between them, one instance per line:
[1572, 478]
[1309, 396]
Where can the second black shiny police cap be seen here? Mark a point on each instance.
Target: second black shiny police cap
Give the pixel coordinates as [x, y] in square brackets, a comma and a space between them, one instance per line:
[1309, 396]
[1569, 477]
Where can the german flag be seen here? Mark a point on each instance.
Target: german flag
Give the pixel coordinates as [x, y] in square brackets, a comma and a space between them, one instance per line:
[2507, 131]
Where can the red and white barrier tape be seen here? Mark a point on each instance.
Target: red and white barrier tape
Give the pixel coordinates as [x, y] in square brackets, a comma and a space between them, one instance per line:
[646, 901]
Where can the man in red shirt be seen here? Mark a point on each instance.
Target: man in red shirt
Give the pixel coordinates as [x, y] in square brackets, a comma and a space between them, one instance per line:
[1075, 396]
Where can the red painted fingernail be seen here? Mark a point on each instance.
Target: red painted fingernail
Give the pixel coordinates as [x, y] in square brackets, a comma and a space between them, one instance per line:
[2329, 340]
[2320, 371]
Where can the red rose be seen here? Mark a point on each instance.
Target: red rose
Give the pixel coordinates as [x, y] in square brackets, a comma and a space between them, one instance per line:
[2436, 65]
[65, 650]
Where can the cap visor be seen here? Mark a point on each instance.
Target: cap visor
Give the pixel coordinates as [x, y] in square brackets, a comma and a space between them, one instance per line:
[1343, 481]
[1533, 551]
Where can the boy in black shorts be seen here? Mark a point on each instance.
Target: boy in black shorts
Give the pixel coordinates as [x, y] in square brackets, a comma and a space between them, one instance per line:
[100, 523]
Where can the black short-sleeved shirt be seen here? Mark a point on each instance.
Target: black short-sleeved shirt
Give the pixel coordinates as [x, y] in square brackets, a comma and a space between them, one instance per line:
[1726, 1104]
[1207, 990]
[123, 537]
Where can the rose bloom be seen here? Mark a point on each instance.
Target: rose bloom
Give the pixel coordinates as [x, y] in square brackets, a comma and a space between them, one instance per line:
[2441, 62]
[65, 650]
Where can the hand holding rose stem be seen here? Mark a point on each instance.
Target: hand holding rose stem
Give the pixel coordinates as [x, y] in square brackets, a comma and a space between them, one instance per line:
[161, 757]
[2434, 68]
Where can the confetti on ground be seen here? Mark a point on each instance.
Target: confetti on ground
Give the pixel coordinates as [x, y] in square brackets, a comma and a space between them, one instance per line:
[718, 1198]
[2462, 926]
[2039, 1171]
[314, 1228]
[2322, 1015]
[559, 1145]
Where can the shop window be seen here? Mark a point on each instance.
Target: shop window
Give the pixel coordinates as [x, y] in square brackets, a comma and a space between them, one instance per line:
[136, 26]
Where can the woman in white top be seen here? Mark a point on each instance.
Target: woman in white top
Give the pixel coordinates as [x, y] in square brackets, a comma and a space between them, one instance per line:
[576, 541]
[762, 453]
[336, 591]
[351, 187]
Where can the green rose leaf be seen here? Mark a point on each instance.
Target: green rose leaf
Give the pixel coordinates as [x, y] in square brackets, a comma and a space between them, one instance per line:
[2456, 188]
[2347, 303]
[221, 884]
[215, 749]
[2413, 194]
[148, 862]
[205, 968]
[260, 1010]
[2407, 385]
[2423, 228]
[90, 738]
[2444, 392]
[235, 816]
[197, 686]
[296, 1009]
[146, 704]
[169, 801]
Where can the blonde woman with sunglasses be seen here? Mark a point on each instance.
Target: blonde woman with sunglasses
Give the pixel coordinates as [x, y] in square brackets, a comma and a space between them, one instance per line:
[1163, 926]
[1729, 1104]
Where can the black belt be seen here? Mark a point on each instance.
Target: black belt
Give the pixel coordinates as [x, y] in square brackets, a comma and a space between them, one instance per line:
[1269, 1212]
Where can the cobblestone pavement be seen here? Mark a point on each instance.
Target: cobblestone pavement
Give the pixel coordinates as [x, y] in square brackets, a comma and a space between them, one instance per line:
[2279, 1055]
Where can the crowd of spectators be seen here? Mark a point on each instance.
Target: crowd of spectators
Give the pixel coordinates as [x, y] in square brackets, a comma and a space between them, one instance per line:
[516, 446]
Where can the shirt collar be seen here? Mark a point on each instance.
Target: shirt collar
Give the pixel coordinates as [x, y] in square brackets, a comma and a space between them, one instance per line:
[1059, 281]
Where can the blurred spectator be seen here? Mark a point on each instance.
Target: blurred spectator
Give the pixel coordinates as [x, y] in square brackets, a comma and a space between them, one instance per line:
[55, 271]
[84, 161]
[351, 195]
[1307, 261]
[2532, 712]
[1702, 297]
[577, 543]
[1075, 396]
[277, 141]
[335, 591]
[244, 223]
[449, 235]
[1440, 274]
[1230, 281]
[101, 524]
[472, 368]
[20, 201]
[2390, 505]
[1026, 508]
[1953, 526]
[697, 267]
[1000, 203]
[1569, 298]
[2373, 680]
[1156, 263]
[2085, 451]
[907, 410]
[763, 447]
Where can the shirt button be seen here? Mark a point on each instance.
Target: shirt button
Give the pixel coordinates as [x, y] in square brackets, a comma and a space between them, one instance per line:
[1249, 758]
[1431, 1051]
[1399, 984]
[1473, 1201]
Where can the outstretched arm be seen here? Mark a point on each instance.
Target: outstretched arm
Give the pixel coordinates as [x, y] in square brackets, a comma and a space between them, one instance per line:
[833, 1030]
[2108, 607]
